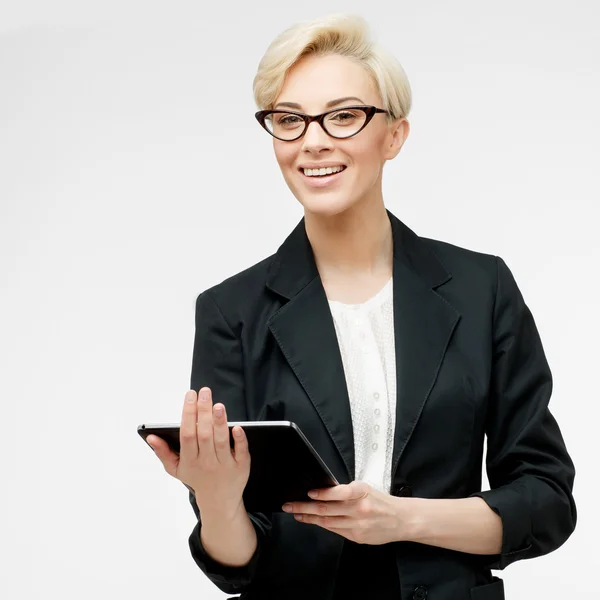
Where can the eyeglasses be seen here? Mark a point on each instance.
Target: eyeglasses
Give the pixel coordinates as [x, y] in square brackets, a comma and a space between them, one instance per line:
[339, 123]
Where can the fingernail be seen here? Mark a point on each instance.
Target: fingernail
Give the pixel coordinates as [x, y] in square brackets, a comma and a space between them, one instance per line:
[190, 397]
[204, 396]
[287, 507]
[219, 411]
[313, 494]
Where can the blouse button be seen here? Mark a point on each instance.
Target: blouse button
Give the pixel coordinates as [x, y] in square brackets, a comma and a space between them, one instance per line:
[376, 395]
[374, 446]
[420, 593]
[377, 412]
[376, 428]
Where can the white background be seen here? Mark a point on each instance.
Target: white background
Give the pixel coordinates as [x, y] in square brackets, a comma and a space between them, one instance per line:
[133, 176]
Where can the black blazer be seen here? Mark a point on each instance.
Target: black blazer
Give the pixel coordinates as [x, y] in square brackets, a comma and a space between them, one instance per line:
[469, 363]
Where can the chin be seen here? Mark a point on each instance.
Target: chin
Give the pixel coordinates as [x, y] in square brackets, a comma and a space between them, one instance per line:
[326, 205]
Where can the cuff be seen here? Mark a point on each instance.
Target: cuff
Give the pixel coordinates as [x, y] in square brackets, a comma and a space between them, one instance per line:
[508, 502]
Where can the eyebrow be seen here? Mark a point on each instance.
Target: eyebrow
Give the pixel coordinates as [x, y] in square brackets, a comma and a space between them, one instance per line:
[328, 105]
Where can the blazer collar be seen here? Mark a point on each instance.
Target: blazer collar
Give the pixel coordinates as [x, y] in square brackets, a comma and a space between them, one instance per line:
[304, 329]
[294, 266]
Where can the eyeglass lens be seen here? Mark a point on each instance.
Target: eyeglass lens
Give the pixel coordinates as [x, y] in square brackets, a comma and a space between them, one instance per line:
[341, 123]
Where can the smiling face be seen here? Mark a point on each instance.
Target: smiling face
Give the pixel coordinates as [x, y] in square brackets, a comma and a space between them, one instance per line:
[317, 84]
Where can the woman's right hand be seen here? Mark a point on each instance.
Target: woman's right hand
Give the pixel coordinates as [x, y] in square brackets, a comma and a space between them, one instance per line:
[207, 464]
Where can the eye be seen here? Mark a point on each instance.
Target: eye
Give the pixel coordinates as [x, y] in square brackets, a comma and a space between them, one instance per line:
[343, 116]
[289, 121]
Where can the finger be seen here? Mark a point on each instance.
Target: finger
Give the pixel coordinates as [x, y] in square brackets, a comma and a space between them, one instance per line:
[206, 444]
[188, 439]
[241, 452]
[359, 490]
[167, 457]
[221, 435]
[333, 523]
[323, 509]
[339, 492]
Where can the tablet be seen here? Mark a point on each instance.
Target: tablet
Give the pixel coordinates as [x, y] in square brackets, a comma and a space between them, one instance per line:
[284, 466]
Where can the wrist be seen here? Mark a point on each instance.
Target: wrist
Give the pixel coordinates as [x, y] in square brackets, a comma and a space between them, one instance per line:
[229, 542]
[223, 513]
[412, 523]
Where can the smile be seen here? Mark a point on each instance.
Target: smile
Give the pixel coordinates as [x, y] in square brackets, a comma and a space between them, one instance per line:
[323, 171]
[323, 178]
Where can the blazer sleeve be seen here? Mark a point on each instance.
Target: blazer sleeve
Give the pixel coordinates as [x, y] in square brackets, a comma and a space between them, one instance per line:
[529, 469]
[217, 363]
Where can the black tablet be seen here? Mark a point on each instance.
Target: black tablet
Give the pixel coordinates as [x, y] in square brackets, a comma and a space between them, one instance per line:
[284, 465]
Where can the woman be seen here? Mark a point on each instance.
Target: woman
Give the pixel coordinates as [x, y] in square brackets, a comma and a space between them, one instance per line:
[395, 354]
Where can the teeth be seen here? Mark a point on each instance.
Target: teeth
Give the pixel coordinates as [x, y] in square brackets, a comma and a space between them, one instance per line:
[320, 172]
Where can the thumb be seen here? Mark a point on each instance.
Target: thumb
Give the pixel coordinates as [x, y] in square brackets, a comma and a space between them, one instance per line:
[167, 457]
[359, 489]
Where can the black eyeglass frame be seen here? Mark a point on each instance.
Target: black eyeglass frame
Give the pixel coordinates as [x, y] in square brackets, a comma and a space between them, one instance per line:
[370, 112]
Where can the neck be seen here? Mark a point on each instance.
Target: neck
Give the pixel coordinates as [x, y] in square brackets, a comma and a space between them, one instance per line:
[355, 243]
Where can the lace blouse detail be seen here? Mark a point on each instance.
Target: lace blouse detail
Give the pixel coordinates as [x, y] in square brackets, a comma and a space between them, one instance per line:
[365, 335]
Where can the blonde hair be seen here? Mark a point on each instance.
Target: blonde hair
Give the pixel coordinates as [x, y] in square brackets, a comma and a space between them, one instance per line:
[346, 35]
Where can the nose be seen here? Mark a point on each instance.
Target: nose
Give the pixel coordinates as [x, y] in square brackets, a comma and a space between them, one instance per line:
[315, 139]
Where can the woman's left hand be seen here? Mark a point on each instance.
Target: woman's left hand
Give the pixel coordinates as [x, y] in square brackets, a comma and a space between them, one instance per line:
[356, 511]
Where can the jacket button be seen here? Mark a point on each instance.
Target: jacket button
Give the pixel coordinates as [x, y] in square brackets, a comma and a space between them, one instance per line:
[402, 490]
[420, 593]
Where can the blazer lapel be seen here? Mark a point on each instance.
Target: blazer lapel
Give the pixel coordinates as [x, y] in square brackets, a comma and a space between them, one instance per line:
[423, 325]
[303, 327]
[304, 330]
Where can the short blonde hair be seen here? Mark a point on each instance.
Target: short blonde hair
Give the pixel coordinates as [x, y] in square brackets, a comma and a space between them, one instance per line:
[346, 35]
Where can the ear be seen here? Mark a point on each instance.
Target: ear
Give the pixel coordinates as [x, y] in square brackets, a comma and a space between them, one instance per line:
[399, 130]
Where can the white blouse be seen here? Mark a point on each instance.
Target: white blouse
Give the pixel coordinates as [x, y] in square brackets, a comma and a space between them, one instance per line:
[365, 335]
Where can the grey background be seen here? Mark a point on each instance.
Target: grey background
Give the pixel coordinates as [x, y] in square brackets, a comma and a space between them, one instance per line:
[123, 195]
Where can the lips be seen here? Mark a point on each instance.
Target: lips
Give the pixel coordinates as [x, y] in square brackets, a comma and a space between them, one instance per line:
[320, 181]
[321, 165]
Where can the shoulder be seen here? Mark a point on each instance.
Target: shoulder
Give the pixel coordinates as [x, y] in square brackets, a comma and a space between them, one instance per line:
[473, 276]
[436, 256]
[239, 291]
[469, 269]
[460, 260]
